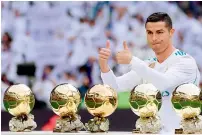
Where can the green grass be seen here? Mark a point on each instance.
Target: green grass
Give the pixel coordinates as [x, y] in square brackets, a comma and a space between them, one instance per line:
[123, 100]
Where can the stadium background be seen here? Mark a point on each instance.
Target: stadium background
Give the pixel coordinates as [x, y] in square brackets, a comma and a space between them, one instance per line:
[47, 43]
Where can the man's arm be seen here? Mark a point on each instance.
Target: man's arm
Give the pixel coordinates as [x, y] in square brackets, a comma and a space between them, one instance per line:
[125, 82]
[122, 83]
[185, 71]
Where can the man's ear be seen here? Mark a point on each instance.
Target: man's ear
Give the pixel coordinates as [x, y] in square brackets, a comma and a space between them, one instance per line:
[172, 31]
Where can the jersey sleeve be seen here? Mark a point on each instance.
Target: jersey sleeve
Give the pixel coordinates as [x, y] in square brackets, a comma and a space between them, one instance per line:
[184, 71]
[125, 82]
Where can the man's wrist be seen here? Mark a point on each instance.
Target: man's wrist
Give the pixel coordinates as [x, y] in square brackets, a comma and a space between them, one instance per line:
[136, 63]
[131, 62]
[105, 69]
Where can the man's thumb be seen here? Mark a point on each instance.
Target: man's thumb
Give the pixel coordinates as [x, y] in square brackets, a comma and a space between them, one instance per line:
[108, 44]
[125, 46]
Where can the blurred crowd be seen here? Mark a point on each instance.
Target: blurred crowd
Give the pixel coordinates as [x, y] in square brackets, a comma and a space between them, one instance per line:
[62, 39]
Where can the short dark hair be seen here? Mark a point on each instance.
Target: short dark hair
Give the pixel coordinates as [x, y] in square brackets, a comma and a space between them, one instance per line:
[160, 17]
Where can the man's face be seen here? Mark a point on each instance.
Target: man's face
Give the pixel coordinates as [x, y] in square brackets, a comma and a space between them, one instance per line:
[158, 36]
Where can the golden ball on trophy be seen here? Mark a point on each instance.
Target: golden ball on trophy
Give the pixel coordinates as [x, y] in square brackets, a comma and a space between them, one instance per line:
[101, 101]
[145, 101]
[64, 100]
[187, 103]
[19, 101]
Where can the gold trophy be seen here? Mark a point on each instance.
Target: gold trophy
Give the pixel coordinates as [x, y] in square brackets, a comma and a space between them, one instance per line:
[19, 101]
[187, 103]
[64, 100]
[101, 101]
[145, 101]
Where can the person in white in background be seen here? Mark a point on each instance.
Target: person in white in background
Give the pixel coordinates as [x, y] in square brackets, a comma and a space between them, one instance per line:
[170, 68]
[43, 87]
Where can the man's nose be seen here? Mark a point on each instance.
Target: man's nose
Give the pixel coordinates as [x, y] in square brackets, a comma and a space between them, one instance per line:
[154, 37]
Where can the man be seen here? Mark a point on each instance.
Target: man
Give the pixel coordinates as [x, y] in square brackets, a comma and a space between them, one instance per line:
[170, 68]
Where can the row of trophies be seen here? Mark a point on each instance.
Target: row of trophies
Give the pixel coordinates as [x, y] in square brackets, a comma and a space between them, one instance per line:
[101, 101]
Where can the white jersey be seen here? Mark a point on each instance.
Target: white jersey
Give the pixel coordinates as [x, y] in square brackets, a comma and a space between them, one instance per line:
[177, 69]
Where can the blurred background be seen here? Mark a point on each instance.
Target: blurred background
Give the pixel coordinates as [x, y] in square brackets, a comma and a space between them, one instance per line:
[48, 43]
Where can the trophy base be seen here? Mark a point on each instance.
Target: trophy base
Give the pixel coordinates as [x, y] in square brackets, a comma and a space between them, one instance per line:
[191, 126]
[22, 123]
[68, 124]
[136, 131]
[148, 125]
[179, 131]
[97, 124]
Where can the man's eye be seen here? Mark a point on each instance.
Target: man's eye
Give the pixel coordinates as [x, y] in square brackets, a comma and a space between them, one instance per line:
[149, 33]
[160, 32]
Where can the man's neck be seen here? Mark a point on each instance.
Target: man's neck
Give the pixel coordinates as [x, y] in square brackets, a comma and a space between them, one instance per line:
[161, 57]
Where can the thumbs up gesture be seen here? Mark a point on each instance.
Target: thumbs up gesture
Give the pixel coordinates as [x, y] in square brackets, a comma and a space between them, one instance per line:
[104, 55]
[124, 56]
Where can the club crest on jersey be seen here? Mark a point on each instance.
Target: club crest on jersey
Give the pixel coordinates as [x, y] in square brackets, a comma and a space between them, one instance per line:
[152, 65]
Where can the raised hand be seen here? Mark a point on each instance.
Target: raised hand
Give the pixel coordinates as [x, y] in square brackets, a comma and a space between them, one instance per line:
[124, 56]
[104, 55]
